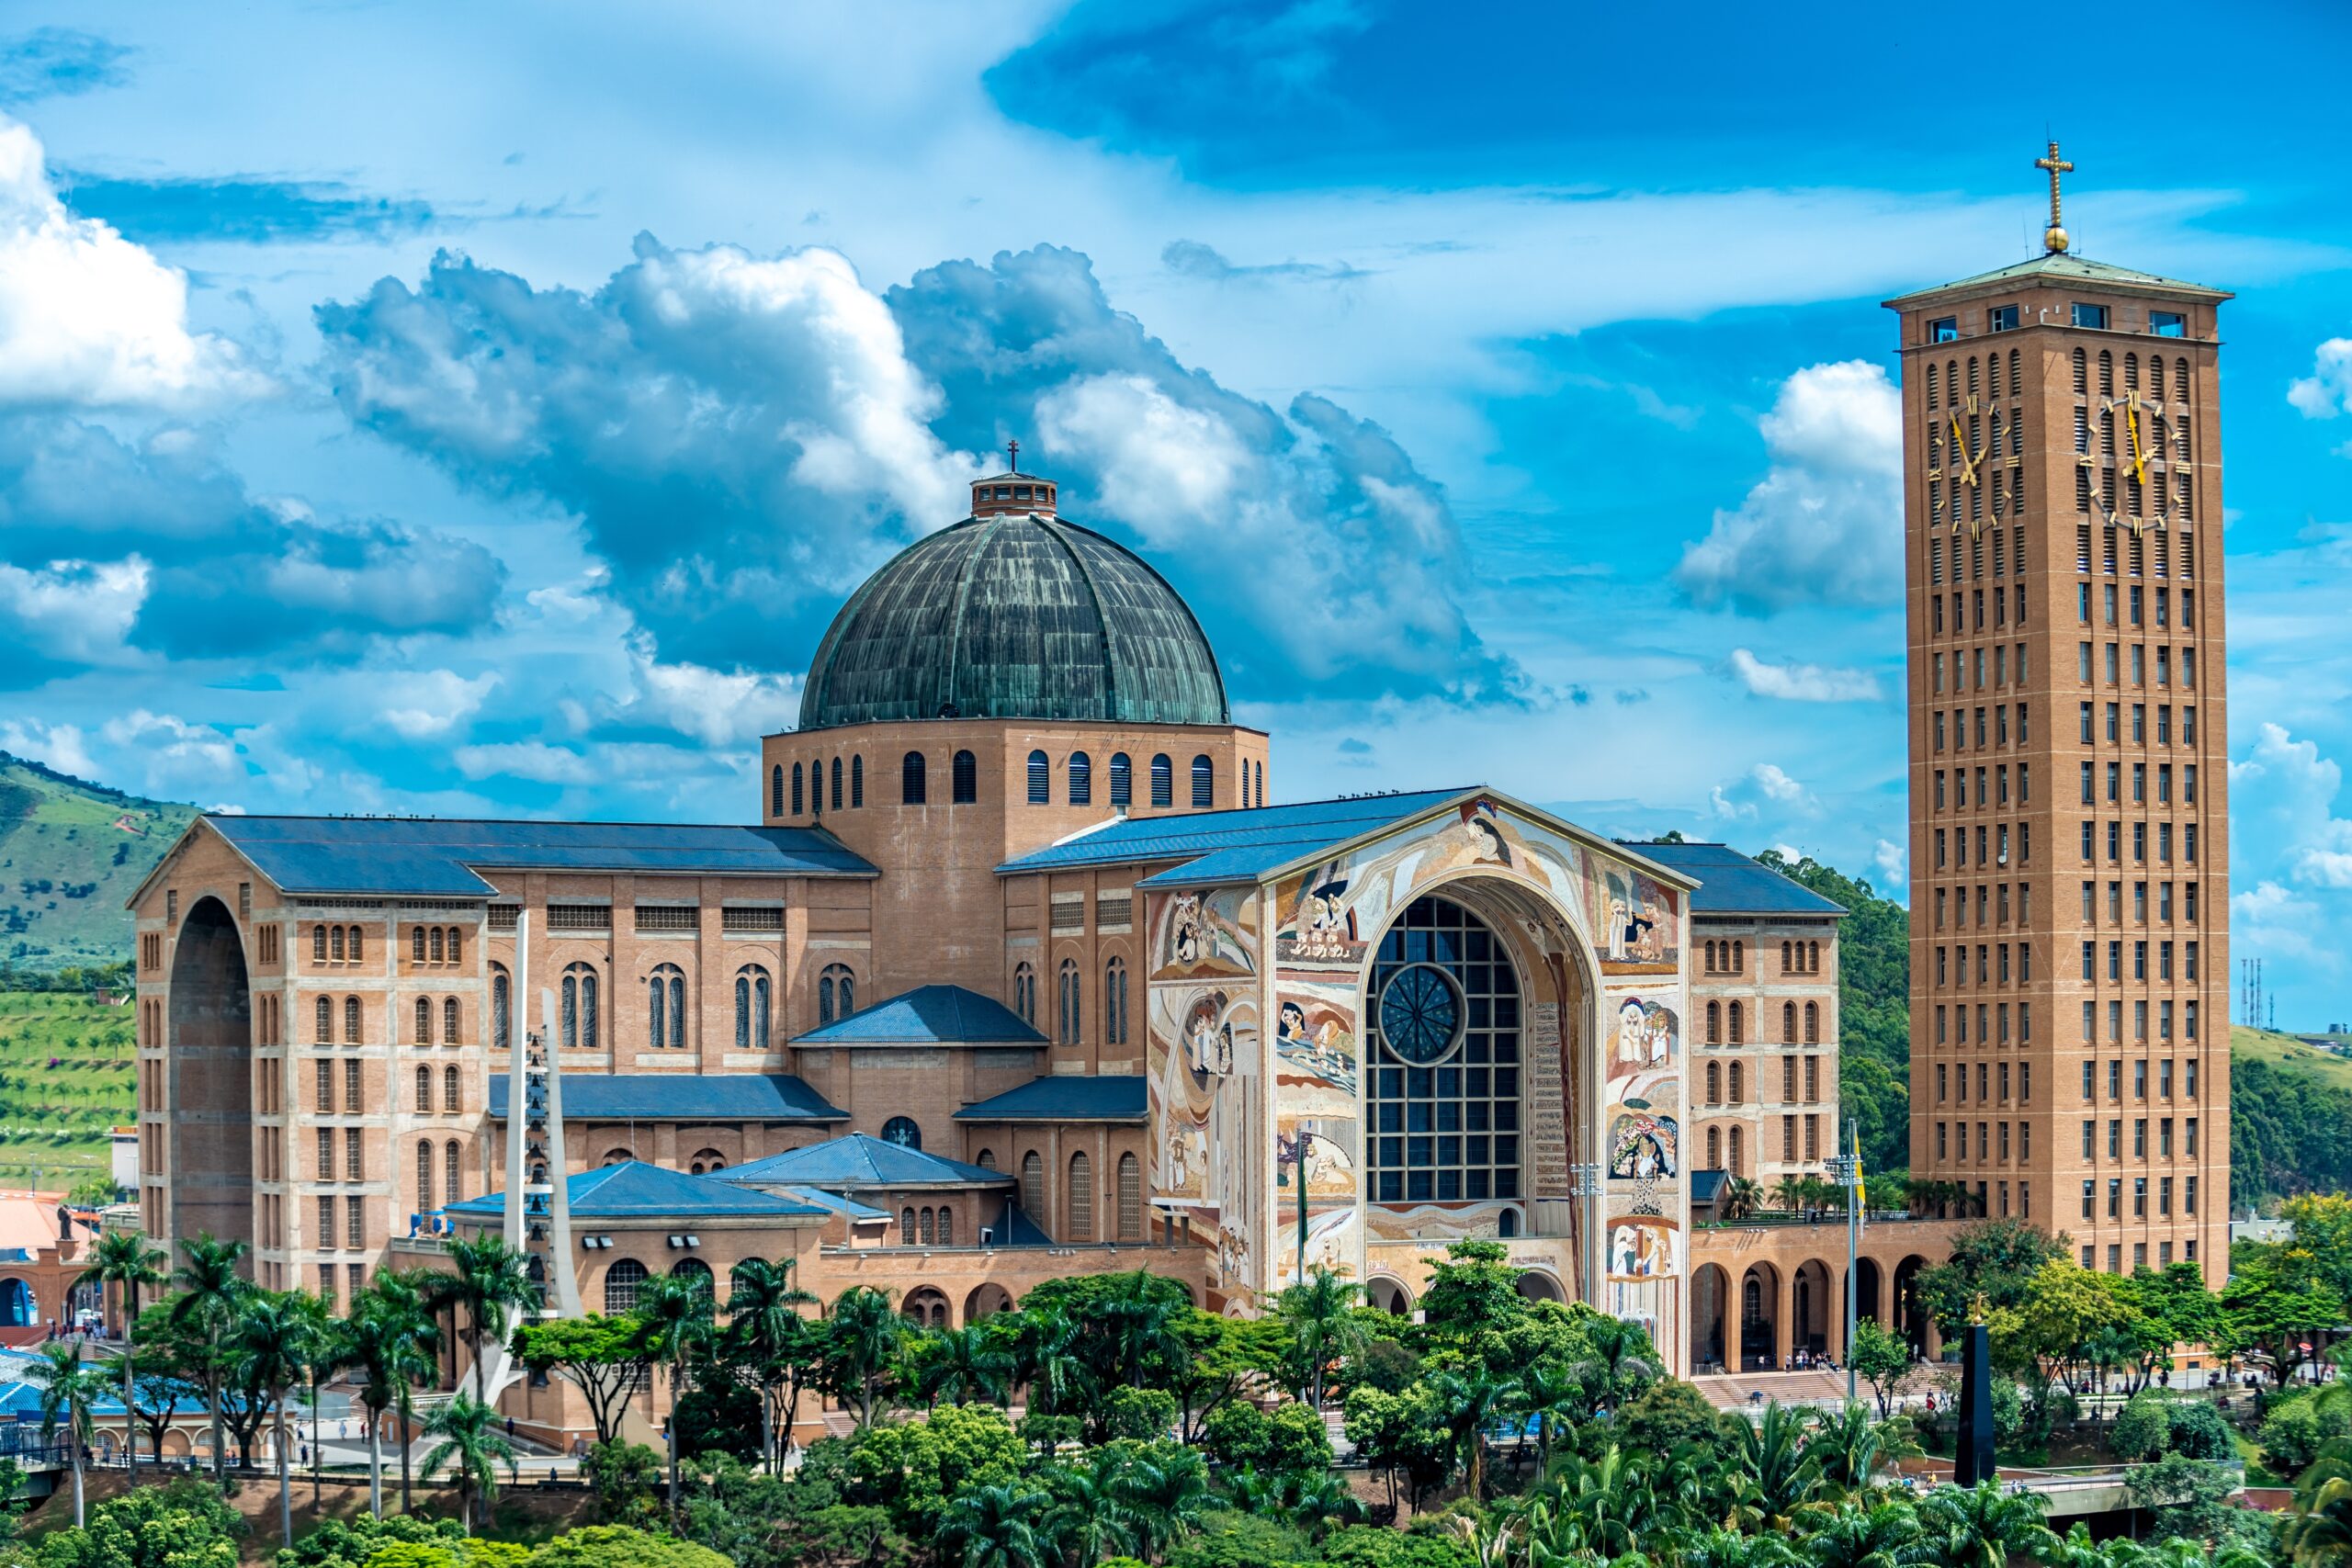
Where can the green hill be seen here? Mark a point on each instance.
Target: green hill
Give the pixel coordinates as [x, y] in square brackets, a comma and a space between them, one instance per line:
[71, 852]
[2291, 1118]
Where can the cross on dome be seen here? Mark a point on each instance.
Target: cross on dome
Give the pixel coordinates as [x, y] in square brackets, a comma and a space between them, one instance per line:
[2055, 237]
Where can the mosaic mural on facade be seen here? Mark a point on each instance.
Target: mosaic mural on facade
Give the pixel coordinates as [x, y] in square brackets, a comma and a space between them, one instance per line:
[1206, 1078]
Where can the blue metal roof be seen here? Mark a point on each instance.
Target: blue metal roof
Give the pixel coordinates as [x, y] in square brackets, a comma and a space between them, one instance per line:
[634, 1189]
[1732, 883]
[1241, 844]
[848, 1208]
[433, 857]
[856, 1162]
[929, 1015]
[671, 1097]
[1071, 1099]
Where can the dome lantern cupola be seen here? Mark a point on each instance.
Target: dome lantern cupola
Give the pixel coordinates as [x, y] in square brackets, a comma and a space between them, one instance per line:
[1013, 491]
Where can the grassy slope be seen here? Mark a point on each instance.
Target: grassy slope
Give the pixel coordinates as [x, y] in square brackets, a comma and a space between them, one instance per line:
[2286, 1052]
[55, 1118]
[70, 854]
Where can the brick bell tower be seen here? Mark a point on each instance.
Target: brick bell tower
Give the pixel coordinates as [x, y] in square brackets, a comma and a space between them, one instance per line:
[2070, 1048]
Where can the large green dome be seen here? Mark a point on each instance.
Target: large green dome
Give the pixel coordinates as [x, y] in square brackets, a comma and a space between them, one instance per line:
[1014, 615]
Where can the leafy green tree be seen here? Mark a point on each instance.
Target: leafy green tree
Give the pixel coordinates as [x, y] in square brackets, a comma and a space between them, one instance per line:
[1470, 1405]
[276, 1340]
[211, 1291]
[1775, 1480]
[1164, 1494]
[617, 1546]
[1320, 1315]
[381, 1347]
[1667, 1414]
[963, 1366]
[1373, 1546]
[768, 1331]
[128, 1262]
[490, 1283]
[181, 1524]
[400, 1296]
[1473, 1291]
[1985, 1526]
[1886, 1535]
[603, 1357]
[2296, 1427]
[2276, 1303]
[1396, 1433]
[339, 1544]
[1881, 1358]
[1992, 1261]
[1619, 1359]
[2190, 1497]
[996, 1525]
[864, 1337]
[471, 1448]
[674, 1315]
[1143, 1414]
[914, 1468]
[67, 1388]
[623, 1477]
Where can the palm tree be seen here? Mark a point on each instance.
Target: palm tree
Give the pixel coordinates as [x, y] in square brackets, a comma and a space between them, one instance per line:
[492, 1282]
[1045, 1361]
[1164, 1492]
[1320, 1500]
[1089, 1519]
[1740, 1197]
[1469, 1404]
[964, 1366]
[1721, 1548]
[1602, 1508]
[381, 1343]
[1846, 1441]
[402, 1295]
[1776, 1478]
[676, 1311]
[276, 1341]
[765, 1324]
[1320, 1315]
[1887, 1536]
[124, 1259]
[1983, 1526]
[1619, 1361]
[1549, 1391]
[1140, 1324]
[211, 1293]
[68, 1388]
[863, 1341]
[470, 1447]
[2320, 1530]
[995, 1527]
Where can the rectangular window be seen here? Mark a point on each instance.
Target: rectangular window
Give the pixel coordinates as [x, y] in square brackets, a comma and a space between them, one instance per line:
[2164, 323]
[2004, 318]
[2083, 315]
[326, 1221]
[1946, 329]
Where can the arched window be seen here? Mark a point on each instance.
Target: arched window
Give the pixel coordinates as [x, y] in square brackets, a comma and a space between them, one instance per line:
[795, 791]
[1081, 779]
[1025, 993]
[622, 1282]
[423, 1034]
[1115, 1003]
[1812, 1024]
[665, 991]
[837, 783]
[1736, 1167]
[1788, 1021]
[457, 945]
[775, 790]
[906, 1230]
[1070, 1018]
[856, 781]
[318, 944]
[911, 783]
[438, 954]
[1812, 957]
[449, 1097]
[902, 1131]
[1130, 1198]
[618, 1156]
[1122, 781]
[1738, 1090]
[1442, 1049]
[696, 1273]
[836, 993]
[1032, 1186]
[1715, 1148]
[1163, 781]
[1204, 783]
[1714, 1083]
[334, 944]
[415, 943]
[984, 1159]
[1711, 958]
[947, 1225]
[923, 1228]
[751, 993]
[580, 1008]
[707, 1161]
[966, 778]
[325, 1016]
[1738, 1025]
[356, 952]
[1739, 958]
[1784, 958]
[1080, 1221]
[453, 1170]
[424, 1091]
[1040, 779]
[1714, 1023]
[423, 1180]
[351, 1021]
[450, 1017]
[501, 1006]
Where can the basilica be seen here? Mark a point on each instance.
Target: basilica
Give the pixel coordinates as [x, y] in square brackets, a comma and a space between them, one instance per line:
[1021, 968]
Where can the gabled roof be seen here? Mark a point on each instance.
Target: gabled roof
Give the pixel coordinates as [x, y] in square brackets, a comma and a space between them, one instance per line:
[849, 1209]
[634, 1189]
[1065, 1099]
[1706, 1186]
[929, 1015]
[858, 1163]
[1269, 836]
[437, 857]
[2064, 266]
[675, 1097]
[1732, 883]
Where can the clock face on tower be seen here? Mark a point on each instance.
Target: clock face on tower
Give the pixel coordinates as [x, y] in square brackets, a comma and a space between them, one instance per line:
[1420, 1014]
[2138, 445]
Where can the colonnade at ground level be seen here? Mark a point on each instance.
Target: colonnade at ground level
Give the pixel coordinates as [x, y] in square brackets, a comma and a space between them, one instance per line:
[1760, 1295]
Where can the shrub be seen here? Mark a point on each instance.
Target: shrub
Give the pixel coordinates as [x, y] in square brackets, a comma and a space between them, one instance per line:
[1145, 1415]
[1231, 1540]
[2296, 1428]
[1371, 1546]
[617, 1546]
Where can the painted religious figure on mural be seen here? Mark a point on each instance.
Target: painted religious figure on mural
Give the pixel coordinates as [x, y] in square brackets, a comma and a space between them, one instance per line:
[1203, 1078]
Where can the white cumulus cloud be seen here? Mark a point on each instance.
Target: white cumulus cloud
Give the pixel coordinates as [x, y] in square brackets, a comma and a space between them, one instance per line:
[1825, 524]
[2327, 391]
[88, 318]
[422, 705]
[1803, 683]
[73, 612]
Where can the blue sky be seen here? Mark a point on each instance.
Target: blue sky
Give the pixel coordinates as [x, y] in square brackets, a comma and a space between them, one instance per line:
[447, 408]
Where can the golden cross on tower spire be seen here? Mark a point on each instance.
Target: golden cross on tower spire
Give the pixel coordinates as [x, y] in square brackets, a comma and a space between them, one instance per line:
[2055, 237]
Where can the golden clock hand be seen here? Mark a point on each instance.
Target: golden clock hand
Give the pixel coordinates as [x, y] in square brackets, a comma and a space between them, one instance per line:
[1960, 445]
[2139, 455]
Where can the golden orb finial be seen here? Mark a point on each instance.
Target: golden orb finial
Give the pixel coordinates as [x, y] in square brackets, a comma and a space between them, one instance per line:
[2054, 238]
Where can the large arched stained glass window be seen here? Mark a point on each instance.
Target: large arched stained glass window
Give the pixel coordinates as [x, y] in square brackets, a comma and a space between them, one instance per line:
[622, 1282]
[1442, 1091]
[751, 1008]
[836, 993]
[580, 1008]
[902, 1131]
[666, 1008]
[501, 1008]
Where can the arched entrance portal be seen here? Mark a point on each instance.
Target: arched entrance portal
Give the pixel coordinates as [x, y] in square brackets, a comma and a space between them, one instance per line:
[1812, 1313]
[1910, 1319]
[1866, 1286]
[1708, 1288]
[1759, 1315]
[209, 1047]
[985, 1300]
[1538, 1285]
[1385, 1294]
[18, 1309]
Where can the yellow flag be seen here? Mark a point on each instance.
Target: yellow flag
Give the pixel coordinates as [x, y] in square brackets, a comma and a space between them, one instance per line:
[1859, 1201]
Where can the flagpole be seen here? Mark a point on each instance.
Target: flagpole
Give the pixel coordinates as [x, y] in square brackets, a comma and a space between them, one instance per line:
[1847, 1170]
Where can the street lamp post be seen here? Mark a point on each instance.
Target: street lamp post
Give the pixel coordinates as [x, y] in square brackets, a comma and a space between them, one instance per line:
[1588, 1187]
[1846, 1170]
